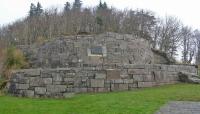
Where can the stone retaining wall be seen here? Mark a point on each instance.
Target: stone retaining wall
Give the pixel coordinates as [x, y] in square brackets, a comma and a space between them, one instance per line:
[63, 82]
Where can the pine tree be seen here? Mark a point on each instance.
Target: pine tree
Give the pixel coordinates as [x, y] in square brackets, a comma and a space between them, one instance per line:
[35, 10]
[39, 9]
[105, 5]
[77, 5]
[102, 6]
[67, 7]
[32, 11]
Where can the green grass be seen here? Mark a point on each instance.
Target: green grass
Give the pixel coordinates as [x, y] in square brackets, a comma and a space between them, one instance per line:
[143, 101]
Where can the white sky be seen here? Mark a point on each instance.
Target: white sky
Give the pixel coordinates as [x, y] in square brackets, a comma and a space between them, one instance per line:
[186, 10]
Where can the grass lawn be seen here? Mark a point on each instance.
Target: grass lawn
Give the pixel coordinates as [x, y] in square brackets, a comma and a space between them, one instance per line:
[143, 101]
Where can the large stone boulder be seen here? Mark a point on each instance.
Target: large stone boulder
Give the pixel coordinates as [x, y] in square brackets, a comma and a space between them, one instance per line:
[189, 77]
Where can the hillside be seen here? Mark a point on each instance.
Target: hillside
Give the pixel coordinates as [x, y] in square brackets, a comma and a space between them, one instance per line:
[166, 34]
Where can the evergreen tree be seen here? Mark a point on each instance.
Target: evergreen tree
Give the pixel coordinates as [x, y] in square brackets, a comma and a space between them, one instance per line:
[105, 5]
[39, 9]
[35, 10]
[67, 7]
[77, 5]
[32, 11]
[102, 6]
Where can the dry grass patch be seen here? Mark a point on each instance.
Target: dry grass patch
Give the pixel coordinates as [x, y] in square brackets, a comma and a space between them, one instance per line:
[11, 58]
[14, 59]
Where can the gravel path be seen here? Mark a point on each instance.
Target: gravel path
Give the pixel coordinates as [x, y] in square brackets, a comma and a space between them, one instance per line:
[180, 107]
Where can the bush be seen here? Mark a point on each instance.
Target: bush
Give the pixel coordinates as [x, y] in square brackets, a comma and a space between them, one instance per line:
[14, 59]
[3, 83]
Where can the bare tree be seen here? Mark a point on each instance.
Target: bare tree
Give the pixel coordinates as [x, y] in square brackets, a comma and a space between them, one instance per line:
[165, 34]
[188, 44]
[140, 23]
[197, 39]
[170, 35]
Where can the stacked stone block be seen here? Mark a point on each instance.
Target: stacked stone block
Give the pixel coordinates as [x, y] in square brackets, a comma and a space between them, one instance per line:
[64, 82]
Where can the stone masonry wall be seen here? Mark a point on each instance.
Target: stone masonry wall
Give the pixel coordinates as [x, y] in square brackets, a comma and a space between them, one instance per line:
[75, 51]
[63, 82]
[92, 63]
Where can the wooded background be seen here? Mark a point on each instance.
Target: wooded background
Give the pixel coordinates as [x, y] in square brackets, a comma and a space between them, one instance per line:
[167, 34]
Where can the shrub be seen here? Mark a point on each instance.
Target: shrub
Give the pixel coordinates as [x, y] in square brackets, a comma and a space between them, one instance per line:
[14, 59]
[3, 83]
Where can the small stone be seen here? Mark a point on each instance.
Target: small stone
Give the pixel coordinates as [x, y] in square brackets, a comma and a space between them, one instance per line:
[68, 79]
[57, 77]
[100, 76]
[146, 84]
[137, 71]
[36, 81]
[97, 83]
[68, 95]
[29, 93]
[40, 90]
[47, 80]
[118, 81]
[22, 86]
[56, 88]
[32, 72]
[123, 87]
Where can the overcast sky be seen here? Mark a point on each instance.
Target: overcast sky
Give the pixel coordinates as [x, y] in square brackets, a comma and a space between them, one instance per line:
[186, 10]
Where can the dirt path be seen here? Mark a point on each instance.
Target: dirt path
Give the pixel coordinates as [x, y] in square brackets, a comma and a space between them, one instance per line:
[180, 107]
